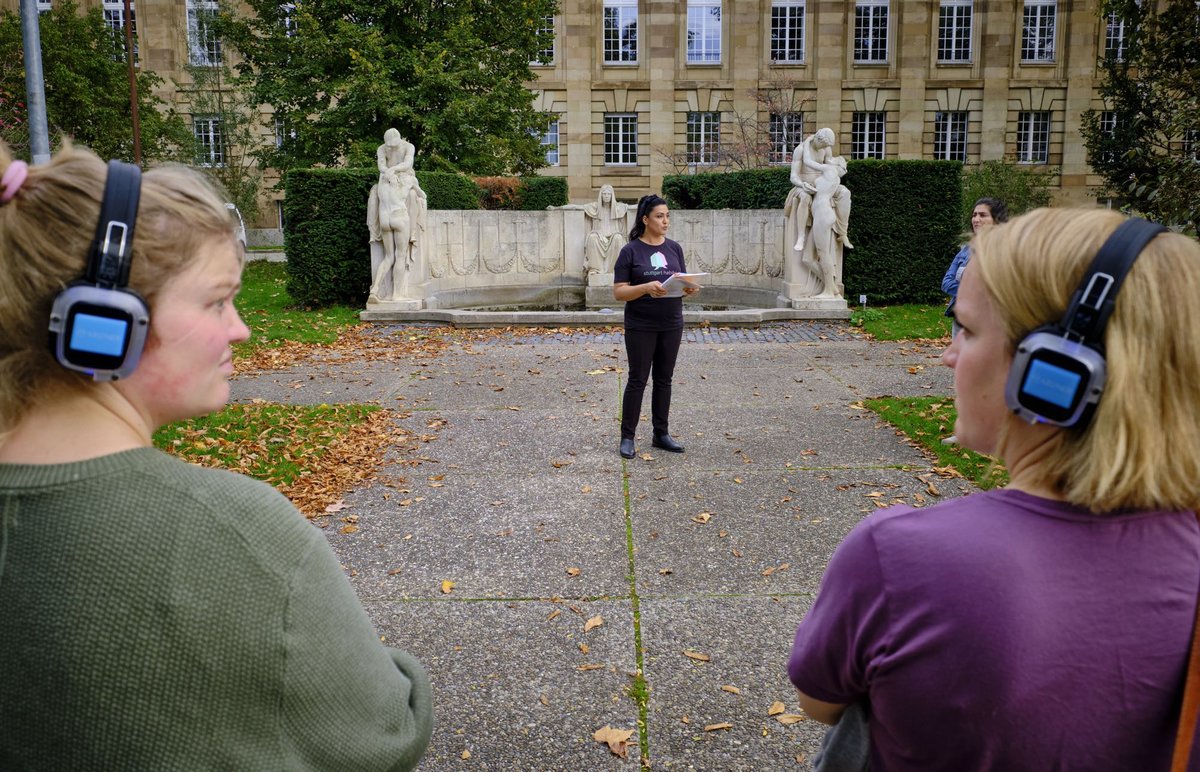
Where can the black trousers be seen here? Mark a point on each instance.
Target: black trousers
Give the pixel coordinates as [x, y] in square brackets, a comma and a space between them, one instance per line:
[649, 352]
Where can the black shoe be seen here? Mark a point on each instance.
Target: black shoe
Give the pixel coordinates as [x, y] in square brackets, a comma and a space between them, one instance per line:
[628, 449]
[666, 442]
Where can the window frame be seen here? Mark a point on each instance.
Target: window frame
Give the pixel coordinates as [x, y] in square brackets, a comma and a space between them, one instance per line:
[1028, 141]
[783, 137]
[546, 56]
[784, 37]
[950, 32]
[113, 12]
[863, 127]
[702, 137]
[620, 133]
[621, 54]
[867, 48]
[210, 141]
[950, 135]
[552, 131]
[206, 51]
[699, 33]
[1036, 46]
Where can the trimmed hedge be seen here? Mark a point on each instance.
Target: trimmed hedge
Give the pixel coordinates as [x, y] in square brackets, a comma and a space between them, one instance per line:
[904, 222]
[540, 192]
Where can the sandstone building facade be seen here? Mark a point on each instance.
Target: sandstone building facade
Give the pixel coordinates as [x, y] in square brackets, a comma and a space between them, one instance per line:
[646, 88]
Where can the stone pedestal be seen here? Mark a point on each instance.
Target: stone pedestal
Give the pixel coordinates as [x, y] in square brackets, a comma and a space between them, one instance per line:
[598, 293]
[825, 306]
[395, 305]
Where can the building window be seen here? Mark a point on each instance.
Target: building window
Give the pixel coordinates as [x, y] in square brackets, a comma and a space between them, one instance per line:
[43, 6]
[279, 214]
[866, 135]
[204, 47]
[870, 31]
[620, 139]
[1114, 37]
[114, 17]
[282, 132]
[785, 130]
[704, 32]
[210, 144]
[1033, 137]
[545, 55]
[550, 144]
[1037, 31]
[1108, 127]
[954, 31]
[287, 17]
[620, 31]
[950, 136]
[787, 31]
[703, 137]
[1191, 144]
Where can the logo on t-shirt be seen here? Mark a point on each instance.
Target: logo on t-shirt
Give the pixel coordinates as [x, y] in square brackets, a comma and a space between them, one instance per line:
[658, 260]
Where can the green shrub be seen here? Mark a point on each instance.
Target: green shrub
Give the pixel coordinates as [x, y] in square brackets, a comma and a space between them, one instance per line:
[1021, 187]
[749, 189]
[904, 225]
[904, 222]
[540, 192]
[449, 190]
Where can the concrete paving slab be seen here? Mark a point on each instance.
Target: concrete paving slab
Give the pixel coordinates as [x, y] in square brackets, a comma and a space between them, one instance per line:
[747, 641]
[512, 687]
[772, 533]
[552, 534]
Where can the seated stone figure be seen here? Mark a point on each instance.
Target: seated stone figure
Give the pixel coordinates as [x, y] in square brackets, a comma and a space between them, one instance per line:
[604, 240]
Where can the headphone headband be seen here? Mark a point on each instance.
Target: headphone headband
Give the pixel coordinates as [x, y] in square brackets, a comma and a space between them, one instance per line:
[112, 248]
[1096, 297]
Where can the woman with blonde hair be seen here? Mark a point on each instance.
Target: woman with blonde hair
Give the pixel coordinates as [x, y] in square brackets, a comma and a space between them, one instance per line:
[1044, 625]
[158, 614]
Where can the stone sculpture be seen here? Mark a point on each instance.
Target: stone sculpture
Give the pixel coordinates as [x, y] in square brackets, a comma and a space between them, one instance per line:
[606, 218]
[396, 220]
[818, 237]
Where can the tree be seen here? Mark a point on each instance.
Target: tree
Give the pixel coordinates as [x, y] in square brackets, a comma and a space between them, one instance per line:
[1020, 186]
[448, 74]
[1146, 142]
[226, 152]
[87, 88]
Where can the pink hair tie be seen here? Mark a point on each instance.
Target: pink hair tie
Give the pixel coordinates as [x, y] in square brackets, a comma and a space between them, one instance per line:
[13, 179]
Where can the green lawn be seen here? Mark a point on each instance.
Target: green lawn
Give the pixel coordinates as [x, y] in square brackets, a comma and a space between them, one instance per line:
[925, 421]
[273, 316]
[905, 322]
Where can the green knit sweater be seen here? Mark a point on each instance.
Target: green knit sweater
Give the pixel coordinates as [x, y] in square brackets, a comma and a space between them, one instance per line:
[157, 615]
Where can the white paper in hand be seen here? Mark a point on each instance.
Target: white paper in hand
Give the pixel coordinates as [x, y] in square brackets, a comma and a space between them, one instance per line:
[676, 282]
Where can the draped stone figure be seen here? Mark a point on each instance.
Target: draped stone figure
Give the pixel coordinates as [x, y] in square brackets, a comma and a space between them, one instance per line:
[606, 235]
[396, 219]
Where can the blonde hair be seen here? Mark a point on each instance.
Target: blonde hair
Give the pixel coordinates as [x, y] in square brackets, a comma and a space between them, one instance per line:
[46, 232]
[1141, 449]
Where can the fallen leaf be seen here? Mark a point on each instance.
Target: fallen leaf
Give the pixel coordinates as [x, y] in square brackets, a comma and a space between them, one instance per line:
[560, 464]
[665, 571]
[738, 480]
[348, 529]
[736, 553]
[447, 586]
[789, 718]
[715, 727]
[553, 614]
[542, 698]
[589, 667]
[574, 571]
[647, 457]
[466, 755]
[617, 740]
[584, 648]
[731, 689]
[593, 623]
[586, 489]
[393, 572]
[703, 517]
[696, 655]
[336, 506]
[776, 708]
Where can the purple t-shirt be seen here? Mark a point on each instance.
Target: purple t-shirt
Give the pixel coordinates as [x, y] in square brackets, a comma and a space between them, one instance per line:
[1004, 631]
[641, 263]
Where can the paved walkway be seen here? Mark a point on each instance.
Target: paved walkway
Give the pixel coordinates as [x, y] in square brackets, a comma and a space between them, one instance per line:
[573, 570]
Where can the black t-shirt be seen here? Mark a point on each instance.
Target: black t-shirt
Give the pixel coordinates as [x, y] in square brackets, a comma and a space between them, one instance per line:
[641, 263]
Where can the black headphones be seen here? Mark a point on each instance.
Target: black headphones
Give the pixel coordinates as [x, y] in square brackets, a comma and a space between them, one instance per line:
[97, 324]
[1058, 371]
